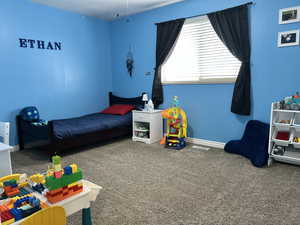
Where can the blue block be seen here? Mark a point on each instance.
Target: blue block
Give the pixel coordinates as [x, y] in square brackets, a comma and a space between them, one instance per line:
[68, 170]
[16, 213]
[6, 183]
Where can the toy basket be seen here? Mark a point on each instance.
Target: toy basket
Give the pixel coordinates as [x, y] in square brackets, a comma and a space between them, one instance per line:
[296, 134]
[281, 142]
[283, 119]
[296, 122]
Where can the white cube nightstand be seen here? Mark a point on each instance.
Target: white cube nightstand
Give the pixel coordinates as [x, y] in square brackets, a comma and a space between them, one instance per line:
[147, 126]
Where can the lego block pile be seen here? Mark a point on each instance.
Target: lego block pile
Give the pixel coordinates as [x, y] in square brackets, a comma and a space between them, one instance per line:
[62, 183]
[18, 208]
[11, 188]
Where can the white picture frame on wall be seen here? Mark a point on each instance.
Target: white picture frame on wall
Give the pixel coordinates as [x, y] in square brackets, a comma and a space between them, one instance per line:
[288, 38]
[289, 15]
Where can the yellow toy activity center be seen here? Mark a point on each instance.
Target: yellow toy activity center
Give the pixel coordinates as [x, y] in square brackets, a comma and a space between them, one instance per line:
[176, 126]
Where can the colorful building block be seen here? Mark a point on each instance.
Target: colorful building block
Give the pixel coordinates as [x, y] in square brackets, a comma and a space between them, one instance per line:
[58, 174]
[56, 160]
[68, 170]
[74, 168]
[62, 184]
[52, 183]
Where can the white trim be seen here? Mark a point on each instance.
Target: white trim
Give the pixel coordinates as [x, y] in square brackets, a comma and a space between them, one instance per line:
[212, 144]
[15, 148]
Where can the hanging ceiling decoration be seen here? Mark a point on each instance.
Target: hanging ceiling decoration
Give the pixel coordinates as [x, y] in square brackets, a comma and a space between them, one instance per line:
[129, 59]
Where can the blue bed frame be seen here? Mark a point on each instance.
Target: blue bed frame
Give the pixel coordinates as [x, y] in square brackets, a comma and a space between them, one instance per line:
[43, 136]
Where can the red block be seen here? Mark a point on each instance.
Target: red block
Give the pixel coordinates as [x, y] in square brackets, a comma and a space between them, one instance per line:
[58, 174]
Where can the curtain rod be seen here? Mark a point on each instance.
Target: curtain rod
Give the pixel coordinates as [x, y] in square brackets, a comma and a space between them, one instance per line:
[248, 3]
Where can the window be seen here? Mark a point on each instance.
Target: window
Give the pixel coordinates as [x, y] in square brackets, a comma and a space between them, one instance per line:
[199, 56]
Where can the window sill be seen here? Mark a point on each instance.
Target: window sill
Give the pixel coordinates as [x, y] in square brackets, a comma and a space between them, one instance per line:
[226, 80]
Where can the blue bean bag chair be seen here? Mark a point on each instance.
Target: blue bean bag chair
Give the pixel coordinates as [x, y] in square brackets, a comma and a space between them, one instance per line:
[254, 143]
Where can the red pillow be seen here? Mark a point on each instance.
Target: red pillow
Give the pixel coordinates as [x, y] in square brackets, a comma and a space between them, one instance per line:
[118, 109]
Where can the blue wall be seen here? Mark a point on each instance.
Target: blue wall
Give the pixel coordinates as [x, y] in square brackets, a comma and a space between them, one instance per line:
[275, 71]
[76, 80]
[61, 84]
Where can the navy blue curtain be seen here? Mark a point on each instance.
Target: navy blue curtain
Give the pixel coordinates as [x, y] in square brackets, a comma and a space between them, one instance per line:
[232, 26]
[167, 34]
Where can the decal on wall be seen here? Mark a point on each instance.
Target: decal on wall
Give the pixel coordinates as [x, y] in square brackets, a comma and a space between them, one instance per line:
[48, 45]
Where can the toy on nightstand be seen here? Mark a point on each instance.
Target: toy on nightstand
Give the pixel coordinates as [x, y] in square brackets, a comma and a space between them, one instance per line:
[62, 183]
[176, 126]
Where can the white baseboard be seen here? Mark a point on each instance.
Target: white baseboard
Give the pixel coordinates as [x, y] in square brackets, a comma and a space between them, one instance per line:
[212, 144]
[15, 148]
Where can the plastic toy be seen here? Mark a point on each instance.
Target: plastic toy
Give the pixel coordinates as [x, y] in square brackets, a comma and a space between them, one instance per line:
[176, 126]
[279, 150]
[291, 102]
[18, 208]
[62, 183]
[16, 191]
[11, 188]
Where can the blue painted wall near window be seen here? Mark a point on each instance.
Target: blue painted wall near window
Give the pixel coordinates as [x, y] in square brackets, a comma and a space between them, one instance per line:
[275, 71]
[61, 84]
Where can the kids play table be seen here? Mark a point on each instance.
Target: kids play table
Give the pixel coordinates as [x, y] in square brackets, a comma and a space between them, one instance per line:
[81, 201]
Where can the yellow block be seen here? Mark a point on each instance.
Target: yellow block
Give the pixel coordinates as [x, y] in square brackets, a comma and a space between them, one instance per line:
[16, 198]
[10, 177]
[8, 222]
[37, 178]
[13, 177]
[74, 168]
[74, 184]
[57, 167]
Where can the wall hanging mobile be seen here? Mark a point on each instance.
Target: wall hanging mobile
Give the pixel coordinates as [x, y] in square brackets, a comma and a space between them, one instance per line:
[129, 62]
[129, 58]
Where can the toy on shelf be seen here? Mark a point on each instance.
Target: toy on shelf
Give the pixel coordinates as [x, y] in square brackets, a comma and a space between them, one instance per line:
[62, 183]
[296, 139]
[279, 150]
[290, 102]
[176, 126]
[285, 121]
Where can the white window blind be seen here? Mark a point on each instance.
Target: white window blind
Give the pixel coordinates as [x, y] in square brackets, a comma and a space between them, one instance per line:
[200, 56]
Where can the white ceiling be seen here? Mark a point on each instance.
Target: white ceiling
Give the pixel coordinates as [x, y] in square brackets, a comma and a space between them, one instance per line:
[107, 9]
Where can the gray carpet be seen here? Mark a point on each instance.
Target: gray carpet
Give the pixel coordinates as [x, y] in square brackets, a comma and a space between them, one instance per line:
[147, 184]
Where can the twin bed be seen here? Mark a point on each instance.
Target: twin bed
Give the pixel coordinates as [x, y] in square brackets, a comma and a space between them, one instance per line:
[59, 135]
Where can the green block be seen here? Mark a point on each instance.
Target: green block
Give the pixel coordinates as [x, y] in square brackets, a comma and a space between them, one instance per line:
[13, 181]
[52, 183]
[56, 160]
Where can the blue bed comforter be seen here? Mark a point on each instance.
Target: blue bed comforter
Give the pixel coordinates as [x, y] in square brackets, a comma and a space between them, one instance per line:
[90, 123]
